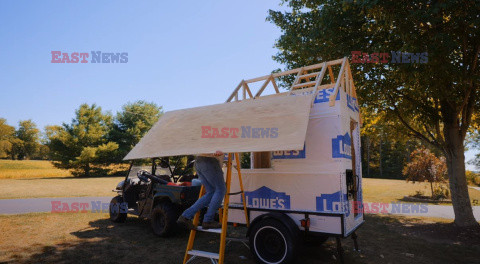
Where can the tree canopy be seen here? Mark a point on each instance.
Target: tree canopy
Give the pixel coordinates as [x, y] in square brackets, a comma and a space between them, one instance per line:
[434, 101]
[82, 145]
[132, 123]
[7, 133]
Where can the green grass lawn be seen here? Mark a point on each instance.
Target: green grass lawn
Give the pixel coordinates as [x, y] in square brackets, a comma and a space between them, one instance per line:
[92, 238]
[61, 187]
[36, 179]
[39, 179]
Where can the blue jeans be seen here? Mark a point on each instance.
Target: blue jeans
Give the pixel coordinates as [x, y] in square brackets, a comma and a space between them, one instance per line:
[211, 174]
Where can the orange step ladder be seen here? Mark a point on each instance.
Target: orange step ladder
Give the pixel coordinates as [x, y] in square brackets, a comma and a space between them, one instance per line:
[219, 257]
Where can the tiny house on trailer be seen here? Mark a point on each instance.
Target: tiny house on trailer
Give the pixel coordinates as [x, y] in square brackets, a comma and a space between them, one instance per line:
[304, 144]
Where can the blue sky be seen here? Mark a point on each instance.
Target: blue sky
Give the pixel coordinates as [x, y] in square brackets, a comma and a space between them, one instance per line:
[180, 54]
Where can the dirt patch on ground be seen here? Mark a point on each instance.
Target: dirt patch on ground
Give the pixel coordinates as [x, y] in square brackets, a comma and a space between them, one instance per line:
[434, 231]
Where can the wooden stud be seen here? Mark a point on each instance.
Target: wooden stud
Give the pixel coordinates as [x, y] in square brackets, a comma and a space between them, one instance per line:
[337, 84]
[305, 84]
[237, 159]
[264, 85]
[235, 91]
[275, 85]
[244, 91]
[245, 85]
[319, 79]
[330, 72]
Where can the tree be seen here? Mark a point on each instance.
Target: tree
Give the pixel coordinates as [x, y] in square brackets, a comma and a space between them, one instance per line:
[82, 145]
[433, 100]
[132, 123]
[385, 148]
[425, 166]
[27, 143]
[7, 132]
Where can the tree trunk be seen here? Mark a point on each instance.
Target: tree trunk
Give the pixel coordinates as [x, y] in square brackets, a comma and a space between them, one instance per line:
[368, 157]
[380, 163]
[455, 156]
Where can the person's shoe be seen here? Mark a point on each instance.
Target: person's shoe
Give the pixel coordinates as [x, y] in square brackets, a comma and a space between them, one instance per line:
[211, 225]
[185, 222]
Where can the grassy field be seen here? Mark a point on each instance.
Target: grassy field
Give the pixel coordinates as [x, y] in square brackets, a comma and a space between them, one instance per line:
[386, 190]
[92, 238]
[61, 187]
[374, 190]
[26, 169]
[37, 179]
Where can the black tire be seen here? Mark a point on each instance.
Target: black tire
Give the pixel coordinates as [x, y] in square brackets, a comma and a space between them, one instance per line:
[115, 210]
[272, 242]
[163, 221]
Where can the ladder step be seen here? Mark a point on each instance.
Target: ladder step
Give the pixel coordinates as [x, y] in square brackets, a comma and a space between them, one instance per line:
[309, 75]
[203, 254]
[300, 85]
[217, 230]
[235, 193]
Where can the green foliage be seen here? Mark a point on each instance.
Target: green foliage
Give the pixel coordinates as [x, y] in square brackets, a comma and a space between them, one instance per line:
[28, 137]
[432, 101]
[245, 160]
[132, 123]
[316, 31]
[82, 146]
[7, 133]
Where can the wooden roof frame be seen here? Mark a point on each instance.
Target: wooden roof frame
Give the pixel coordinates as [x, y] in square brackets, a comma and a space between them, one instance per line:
[303, 80]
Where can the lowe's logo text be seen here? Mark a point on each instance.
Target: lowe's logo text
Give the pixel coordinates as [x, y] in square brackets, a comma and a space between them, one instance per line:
[324, 96]
[332, 203]
[243, 132]
[82, 57]
[342, 146]
[265, 197]
[289, 154]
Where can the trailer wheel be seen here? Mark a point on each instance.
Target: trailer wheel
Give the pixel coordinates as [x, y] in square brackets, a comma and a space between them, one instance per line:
[163, 219]
[272, 242]
[115, 210]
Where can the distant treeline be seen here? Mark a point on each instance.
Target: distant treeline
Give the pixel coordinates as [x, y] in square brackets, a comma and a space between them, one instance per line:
[88, 145]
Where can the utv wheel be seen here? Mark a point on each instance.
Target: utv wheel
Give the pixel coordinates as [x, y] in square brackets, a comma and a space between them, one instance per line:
[116, 214]
[164, 217]
[272, 242]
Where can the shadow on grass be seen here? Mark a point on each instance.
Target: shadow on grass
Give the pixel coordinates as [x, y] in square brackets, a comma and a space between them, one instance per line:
[409, 199]
[382, 239]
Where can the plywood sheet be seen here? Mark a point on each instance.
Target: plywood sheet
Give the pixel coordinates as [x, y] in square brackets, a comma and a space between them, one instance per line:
[263, 124]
